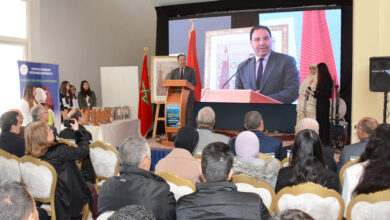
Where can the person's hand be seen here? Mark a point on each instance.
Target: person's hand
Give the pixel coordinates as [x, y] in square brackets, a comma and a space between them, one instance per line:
[74, 125]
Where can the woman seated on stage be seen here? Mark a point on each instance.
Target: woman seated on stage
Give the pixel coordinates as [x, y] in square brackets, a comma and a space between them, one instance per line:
[307, 164]
[247, 161]
[372, 172]
[86, 96]
[180, 160]
[72, 192]
[66, 103]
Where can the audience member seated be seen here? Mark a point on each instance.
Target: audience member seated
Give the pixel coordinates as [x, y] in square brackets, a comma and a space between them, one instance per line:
[372, 172]
[364, 129]
[72, 192]
[66, 103]
[307, 164]
[74, 97]
[68, 133]
[180, 160]
[86, 97]
[206, 122]
[136, 185]
[217, 198]
[28, 102]
[40, 113]
[312, 124]
[292, 214]
[133, 212]
[16, 202]
[10, 141]
[247, 161]
[254, 122]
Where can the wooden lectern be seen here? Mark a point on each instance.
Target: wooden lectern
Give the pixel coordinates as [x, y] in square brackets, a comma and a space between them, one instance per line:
[175, 106]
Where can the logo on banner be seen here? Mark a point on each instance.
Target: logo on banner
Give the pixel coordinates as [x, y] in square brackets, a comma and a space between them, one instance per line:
[23, 69]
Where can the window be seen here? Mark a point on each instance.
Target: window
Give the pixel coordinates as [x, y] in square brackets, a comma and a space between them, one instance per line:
[13, 47]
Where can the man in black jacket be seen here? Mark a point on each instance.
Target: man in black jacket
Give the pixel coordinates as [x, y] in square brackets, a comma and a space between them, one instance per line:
[10, 141]
[217, 198]
[136, 185]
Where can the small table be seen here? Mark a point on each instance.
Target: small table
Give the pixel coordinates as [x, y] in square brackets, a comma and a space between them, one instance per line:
[115, 132]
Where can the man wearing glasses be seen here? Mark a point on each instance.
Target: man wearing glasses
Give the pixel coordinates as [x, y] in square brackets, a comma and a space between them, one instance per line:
[365, 127]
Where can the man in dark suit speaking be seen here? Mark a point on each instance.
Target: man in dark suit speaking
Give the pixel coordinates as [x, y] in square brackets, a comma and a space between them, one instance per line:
[272, 74]
[187, 73]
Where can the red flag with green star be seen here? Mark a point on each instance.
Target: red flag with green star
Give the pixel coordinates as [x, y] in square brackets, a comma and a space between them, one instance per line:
[145, 114]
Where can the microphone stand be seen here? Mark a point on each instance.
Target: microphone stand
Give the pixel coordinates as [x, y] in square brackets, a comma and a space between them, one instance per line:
[238, 70]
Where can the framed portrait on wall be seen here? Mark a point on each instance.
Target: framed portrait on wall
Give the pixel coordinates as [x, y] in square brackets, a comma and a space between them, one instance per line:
[160, 67]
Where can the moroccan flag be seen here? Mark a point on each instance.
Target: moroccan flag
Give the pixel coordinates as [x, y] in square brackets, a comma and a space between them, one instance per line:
[225, 71]
[192, 61]
[145, 114]
[316, 46]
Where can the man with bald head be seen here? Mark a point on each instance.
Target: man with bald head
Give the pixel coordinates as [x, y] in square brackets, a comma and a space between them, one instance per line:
[365, 127]
[10, 141]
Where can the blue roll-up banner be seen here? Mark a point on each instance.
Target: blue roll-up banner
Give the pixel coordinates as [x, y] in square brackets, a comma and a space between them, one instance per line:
[46, 77]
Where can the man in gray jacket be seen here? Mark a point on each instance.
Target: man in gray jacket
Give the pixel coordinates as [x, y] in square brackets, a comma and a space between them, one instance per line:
[364, 129]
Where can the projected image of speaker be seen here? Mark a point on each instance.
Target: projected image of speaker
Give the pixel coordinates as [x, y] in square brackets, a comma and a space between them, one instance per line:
[380, 74]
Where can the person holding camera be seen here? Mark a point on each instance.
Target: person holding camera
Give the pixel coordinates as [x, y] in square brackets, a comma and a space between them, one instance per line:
[72, 192]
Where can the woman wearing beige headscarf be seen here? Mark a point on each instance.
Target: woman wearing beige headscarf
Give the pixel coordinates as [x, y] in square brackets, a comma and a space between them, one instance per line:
[306, 107]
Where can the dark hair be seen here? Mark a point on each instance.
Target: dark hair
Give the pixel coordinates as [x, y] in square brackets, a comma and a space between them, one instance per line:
[84, 92]
[217, 161]
[293, 214]
[132, 212]
[323, 73]
[178, 56]
[72, 86]
[257, 28]
[306, 158]
[252, 120]
[15, 201]
[63, 87]
[376, 174]
[7, 120]
[187, 138]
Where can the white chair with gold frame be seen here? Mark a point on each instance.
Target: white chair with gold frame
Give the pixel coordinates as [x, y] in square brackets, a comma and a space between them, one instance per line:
[246, 183]
[198, 156]
[178, 185]
[40, 178]
[267, 157]
[285, 162]
[370, 206]
[9, 170]
[319, 202]
[343, 168]
[105, 161]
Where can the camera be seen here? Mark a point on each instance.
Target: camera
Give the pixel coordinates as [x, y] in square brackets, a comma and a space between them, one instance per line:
[67, 123]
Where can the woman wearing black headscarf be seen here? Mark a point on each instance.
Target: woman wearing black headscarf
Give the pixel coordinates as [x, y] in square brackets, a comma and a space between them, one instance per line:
[180, 160]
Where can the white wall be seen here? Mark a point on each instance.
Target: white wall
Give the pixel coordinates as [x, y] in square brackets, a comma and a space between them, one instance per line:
[371, 31]
[83, 35]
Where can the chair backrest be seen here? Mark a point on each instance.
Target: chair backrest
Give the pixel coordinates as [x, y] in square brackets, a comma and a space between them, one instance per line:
[177, 184]
[285, 162]
[370, 206]
[67, 142]
[319, 202]
[105, 160]
[198, 156]
[246, 183]
[343, 168]
[9, 167]
[40, 178]
[265, 157]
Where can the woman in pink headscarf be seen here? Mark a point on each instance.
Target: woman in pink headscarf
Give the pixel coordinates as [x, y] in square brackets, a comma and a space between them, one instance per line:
[247, 161]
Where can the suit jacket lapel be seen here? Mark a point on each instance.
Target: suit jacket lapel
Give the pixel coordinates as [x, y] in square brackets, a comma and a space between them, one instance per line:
[252, 72]
[268, 69]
